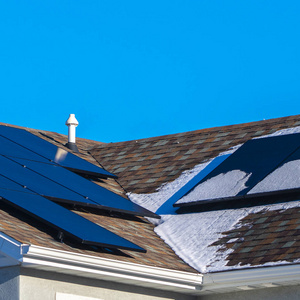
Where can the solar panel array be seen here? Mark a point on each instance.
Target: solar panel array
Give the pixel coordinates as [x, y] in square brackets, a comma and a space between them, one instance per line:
[41, 150]
[259, 166]
[33, 172]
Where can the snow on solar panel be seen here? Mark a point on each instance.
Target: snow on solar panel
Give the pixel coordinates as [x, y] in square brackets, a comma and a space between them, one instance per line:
[243, 170]
[286, 176]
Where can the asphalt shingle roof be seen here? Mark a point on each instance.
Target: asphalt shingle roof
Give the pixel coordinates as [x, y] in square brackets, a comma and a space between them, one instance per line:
[146, 164]
[264, 237]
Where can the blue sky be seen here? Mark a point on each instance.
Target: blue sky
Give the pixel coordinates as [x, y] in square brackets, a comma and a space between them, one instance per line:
[135, 69]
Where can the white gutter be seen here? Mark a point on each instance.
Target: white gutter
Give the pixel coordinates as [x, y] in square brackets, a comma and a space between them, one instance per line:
[14, 253]
[112, 270]
[254, 278]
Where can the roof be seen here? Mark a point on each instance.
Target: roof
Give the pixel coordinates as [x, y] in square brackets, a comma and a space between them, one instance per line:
[144, 165]
[144, 168]
[231, 235]
[139, 230]
[264, 237]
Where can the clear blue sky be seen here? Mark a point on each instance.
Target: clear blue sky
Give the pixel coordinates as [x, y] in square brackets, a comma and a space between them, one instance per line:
[134, 69]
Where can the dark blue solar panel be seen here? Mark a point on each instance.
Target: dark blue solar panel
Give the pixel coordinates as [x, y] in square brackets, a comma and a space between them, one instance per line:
[51, 152]
[9, 148]
[105, 198]
[39, 184]
[8, 184]
[258, 158]
[71, 224]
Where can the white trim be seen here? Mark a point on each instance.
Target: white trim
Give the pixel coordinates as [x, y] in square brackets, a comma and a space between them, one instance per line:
[113, 270]
[11, 251]
[14, 253]
[254, 278]
[64, 296]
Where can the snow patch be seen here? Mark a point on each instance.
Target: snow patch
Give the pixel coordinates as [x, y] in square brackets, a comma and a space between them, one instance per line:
[223, 185]
[284, 177]
[155, 200]
[191, 235]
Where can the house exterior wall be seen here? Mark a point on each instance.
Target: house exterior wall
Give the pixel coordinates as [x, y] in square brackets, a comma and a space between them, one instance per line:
[9, 283]
[274, 293]
[29, 284]
[37, 285]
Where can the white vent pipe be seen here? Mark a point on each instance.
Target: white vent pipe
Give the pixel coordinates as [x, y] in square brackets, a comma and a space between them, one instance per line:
[72, 123]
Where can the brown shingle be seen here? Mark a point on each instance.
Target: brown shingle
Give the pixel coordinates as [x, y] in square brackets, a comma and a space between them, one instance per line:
[166, 157]
[277, 242]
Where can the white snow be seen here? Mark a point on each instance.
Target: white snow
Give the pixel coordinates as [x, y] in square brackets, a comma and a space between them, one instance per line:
[155, 200]
[285, 177]
[191, 235]
[221, 186]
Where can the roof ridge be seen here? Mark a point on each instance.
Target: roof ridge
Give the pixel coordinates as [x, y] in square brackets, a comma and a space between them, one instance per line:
[203, 130]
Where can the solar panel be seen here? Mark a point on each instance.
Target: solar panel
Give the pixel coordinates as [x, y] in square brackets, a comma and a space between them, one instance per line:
[9, 148]
[8, 184]
[89, 190]
[245, 168]
[39, 184]
[65, 221]
[285, 177]
[52, 152]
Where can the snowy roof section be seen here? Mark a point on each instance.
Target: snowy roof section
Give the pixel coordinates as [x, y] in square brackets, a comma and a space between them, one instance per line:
[227, 239]
[260, 165]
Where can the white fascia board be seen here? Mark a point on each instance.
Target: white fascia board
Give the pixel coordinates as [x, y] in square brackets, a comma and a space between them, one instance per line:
[112, 270]
[260, 277]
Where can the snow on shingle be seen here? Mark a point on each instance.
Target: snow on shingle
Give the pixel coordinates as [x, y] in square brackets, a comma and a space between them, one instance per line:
[155, 200]
[191, 235]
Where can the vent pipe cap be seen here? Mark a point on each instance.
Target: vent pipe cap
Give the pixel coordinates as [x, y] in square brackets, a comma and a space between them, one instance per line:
[72, 123]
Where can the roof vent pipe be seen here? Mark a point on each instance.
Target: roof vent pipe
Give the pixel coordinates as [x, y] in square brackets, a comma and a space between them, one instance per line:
[72, 123]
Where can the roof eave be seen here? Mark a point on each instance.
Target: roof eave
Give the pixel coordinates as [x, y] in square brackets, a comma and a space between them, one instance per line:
[251, 278]
[112, 270]
[14, 253]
